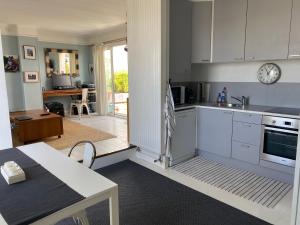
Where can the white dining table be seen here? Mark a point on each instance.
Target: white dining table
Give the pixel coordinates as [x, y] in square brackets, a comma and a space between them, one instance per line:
[92, 186]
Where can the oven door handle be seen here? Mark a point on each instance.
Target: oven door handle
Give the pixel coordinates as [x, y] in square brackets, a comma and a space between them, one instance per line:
[281, 130]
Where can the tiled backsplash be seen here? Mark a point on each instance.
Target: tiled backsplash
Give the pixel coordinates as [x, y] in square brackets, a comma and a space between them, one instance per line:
[279, 94]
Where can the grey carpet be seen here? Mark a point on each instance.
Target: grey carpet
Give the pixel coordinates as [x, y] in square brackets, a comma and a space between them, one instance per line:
[148, 198]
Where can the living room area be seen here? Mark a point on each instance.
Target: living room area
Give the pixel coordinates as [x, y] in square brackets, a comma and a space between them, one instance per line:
[64, 86]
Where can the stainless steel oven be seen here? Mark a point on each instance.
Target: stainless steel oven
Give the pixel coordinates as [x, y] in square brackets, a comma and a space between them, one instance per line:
[280, 140]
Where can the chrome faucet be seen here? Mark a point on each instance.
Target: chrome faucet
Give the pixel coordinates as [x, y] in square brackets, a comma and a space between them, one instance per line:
[242, 100]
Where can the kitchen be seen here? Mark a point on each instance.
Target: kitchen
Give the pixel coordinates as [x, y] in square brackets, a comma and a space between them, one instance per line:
[236, 88]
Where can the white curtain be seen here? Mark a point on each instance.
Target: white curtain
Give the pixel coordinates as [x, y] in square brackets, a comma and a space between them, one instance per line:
[99, 73]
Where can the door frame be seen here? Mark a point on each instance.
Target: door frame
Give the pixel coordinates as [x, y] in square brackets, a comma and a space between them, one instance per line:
[295, 216]
[110, 47]
[5, 133]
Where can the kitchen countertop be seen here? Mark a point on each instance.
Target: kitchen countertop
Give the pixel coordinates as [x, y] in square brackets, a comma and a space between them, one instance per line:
[259, 109]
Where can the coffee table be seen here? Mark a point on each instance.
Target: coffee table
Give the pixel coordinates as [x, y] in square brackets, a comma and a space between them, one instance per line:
[39, 127]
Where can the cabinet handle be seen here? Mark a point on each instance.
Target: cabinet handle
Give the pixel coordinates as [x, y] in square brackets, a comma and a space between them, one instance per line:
[229, 113]
[239, 59]
[205, 60]
[247, 125]
[294, 56]
[182, 117]
[252, 58]
[245, 146]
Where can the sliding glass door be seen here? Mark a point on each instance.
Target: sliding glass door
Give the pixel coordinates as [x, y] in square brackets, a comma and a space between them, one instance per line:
[116, 72]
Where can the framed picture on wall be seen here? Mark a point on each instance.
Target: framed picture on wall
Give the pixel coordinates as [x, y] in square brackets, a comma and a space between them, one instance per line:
[11, 63]
[31, 77]
[29, 52]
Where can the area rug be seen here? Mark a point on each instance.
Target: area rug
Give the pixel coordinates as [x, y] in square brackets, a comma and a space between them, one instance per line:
[74, 132]
[148, 198]
[261, 190]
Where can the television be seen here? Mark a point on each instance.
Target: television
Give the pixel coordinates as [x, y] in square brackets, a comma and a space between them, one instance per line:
[61, 81]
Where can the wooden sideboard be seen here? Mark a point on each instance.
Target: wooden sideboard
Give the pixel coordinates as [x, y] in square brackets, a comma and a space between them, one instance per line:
[42, 125]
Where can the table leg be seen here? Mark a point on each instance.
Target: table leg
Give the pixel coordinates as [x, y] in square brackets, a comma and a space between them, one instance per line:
[114, 207]
[79, 109]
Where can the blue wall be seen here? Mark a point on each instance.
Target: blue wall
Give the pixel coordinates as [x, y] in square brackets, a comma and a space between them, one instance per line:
[32, 91]
[85, 58]
[26, 96]
[14, 81]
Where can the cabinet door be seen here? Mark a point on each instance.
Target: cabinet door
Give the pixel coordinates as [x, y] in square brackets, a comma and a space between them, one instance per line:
[247, 133]
[268, 27]
[201, 32]
[214, 131]
[183, 143]
[180, 38]
[245, 152]
[229, 30]
[294, 50]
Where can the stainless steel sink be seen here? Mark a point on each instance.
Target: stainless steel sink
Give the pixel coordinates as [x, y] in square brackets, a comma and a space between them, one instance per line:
[230, 105]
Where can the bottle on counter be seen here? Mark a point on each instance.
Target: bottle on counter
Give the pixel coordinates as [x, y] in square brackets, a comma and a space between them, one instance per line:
[223, 97]
[219, 99]
[225, 94]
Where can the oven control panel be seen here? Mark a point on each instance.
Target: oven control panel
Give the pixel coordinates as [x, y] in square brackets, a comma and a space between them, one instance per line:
[281, 122]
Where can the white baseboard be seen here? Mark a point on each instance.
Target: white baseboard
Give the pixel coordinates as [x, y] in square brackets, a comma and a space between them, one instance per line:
[150, 159]
[112, 159]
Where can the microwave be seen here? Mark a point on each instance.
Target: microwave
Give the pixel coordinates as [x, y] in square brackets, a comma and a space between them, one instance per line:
[178, 93]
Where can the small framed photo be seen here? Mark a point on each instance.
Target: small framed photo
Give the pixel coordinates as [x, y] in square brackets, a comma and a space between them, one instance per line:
[31, 77]
[11, 63]
[29, 52]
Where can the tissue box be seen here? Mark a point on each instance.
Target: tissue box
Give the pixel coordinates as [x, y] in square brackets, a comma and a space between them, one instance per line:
[12, 173]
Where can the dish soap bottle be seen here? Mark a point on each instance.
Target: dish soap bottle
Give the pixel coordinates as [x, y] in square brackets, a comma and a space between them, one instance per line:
[225, 94]
[219, 99]
[223, 97]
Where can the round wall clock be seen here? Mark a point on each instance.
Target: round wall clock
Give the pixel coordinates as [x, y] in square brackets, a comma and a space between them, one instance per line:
[269, 73]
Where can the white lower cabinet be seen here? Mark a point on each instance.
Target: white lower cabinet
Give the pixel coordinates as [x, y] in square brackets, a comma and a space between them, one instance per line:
[183, 145]
[229, 134]
[245, 152]
[247, 133]
[214, 131]
[246, 138]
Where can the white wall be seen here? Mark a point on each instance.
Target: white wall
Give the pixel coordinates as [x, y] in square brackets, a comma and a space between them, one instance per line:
[243, 72]
[5, 132]
[146, 74]
[112, 33]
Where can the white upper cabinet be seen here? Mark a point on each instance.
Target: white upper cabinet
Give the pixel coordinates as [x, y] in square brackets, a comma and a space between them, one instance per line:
[294, 48]
[180, 39]
[201, 32]
[268, 27]
[229, 30]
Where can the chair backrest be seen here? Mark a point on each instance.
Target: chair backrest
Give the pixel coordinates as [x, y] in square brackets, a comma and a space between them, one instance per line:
[85, 95]
[89, 153]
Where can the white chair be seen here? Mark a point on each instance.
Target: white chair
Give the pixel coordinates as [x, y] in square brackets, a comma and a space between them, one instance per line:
[89, 153]
[89, 156]
[79, 104]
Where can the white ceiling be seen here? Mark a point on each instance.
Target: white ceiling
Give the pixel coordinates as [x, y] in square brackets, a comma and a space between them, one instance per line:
[79, 17]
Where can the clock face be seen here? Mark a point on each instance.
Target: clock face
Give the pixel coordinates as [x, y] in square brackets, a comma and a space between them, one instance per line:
[269, 73]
